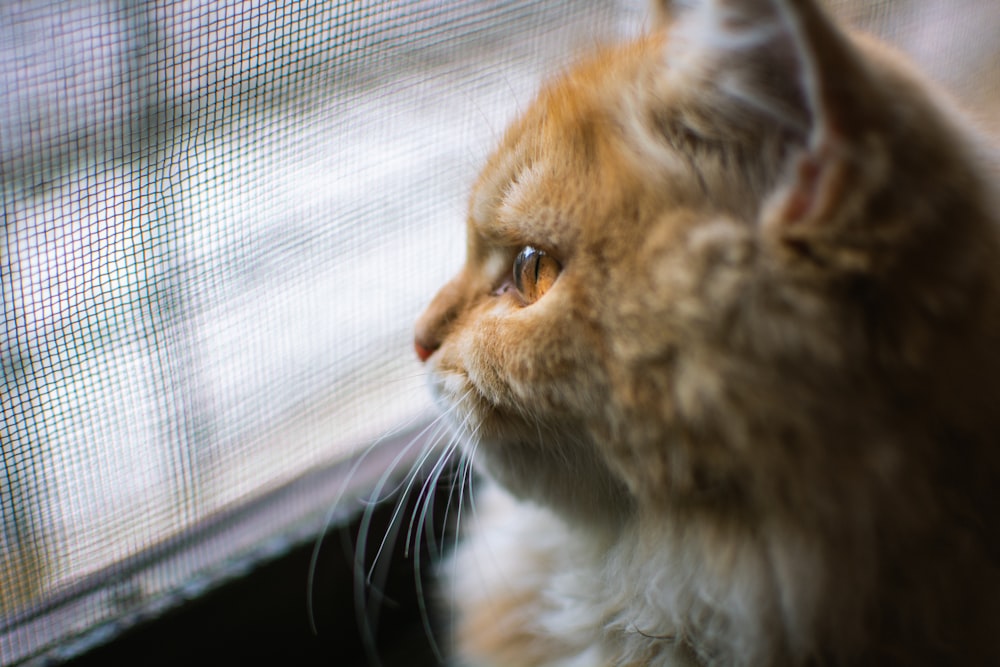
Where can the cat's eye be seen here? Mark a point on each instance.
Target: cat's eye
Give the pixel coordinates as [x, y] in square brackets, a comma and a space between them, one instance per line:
[534, 273]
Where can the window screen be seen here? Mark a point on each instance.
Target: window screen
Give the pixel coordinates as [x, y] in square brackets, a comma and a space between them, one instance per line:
[220, 220]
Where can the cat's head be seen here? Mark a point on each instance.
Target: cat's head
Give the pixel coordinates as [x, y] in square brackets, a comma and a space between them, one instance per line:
[713, 266]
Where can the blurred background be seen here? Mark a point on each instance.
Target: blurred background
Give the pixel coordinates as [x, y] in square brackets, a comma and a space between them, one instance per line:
[220, 220]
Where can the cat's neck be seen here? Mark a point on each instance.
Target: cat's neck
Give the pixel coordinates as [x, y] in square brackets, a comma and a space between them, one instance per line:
[581, 491]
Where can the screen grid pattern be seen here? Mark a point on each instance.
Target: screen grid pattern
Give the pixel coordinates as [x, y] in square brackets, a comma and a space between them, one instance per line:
[220, 222]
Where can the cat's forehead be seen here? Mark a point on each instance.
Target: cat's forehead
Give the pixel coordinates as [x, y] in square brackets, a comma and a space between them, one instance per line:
[554, 165]
[525, 196]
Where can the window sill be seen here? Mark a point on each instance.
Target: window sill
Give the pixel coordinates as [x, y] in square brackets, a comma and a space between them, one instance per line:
[255, 608]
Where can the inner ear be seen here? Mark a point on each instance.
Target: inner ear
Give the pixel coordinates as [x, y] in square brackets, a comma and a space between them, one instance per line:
[838, 94]
[816, 185]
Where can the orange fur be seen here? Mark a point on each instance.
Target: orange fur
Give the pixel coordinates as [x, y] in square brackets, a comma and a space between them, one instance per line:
[758, 405]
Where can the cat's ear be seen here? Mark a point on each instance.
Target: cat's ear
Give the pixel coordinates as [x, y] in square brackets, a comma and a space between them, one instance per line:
[840, 101]
[786, 58]
[787, 61]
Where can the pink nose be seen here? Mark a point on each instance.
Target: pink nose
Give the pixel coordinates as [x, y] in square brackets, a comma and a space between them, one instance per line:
[423, 352]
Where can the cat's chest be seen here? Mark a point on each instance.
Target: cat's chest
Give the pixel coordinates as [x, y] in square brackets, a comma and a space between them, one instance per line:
[529, 591]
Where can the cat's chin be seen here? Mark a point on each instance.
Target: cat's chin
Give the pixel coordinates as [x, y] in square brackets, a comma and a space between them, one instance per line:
[570, 480]
[552, 465]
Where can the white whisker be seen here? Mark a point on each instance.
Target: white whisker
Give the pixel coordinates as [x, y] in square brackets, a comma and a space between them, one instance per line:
[408, 483]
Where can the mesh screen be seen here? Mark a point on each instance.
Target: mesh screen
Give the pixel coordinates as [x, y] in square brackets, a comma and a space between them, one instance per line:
[220, 221]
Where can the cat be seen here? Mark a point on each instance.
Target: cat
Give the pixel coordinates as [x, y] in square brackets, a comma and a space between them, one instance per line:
[726, 346]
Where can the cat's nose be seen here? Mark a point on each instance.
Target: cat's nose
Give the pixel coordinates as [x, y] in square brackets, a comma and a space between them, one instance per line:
[424, 351]
[427, 336]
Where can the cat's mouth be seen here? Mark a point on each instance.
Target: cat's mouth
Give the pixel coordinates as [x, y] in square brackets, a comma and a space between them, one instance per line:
[477, 411]
[472, 415]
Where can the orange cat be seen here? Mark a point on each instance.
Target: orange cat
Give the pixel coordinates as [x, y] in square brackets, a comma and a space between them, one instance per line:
[727, 341]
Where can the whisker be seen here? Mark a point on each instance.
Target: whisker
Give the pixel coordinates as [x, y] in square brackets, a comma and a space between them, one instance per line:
[426, 523]
[374, 577]
[408, 482]
[336, 506]
[367, 596]
[465, 478]
[426, 510]
[455, 485]
[428, 504]
[421, 458]
[369, 578]
[452, 445]
[427, 494]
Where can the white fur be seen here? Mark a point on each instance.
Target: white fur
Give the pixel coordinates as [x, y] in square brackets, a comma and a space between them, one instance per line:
[612, 599]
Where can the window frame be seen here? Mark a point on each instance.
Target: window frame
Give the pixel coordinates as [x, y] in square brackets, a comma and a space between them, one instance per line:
[255, 606]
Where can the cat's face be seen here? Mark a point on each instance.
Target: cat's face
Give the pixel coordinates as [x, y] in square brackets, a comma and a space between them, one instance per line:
[670, 257]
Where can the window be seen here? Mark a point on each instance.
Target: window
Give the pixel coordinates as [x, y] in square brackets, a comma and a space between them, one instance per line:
[220, 220]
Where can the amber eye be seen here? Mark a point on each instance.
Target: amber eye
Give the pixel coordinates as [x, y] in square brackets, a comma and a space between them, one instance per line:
[534, 273]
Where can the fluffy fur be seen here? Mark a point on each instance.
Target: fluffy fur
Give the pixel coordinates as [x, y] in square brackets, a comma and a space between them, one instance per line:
[755, 419]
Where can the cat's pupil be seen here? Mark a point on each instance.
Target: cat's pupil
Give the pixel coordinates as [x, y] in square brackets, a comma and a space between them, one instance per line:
[523, 263]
